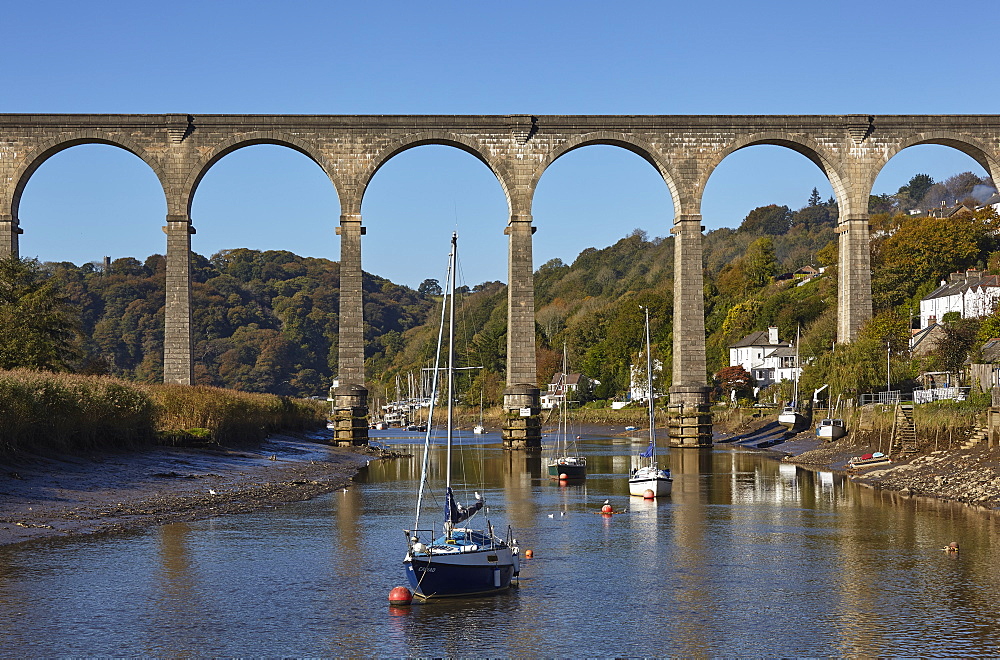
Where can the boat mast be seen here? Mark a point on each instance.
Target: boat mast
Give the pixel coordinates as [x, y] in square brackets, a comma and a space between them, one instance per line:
[562, 416]
[796, 394]
[451, 351]
[649, 385]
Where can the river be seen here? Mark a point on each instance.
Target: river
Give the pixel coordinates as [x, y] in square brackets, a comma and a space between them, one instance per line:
[747, 557]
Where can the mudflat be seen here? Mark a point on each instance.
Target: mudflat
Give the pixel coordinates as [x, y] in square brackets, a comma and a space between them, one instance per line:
[54, 496]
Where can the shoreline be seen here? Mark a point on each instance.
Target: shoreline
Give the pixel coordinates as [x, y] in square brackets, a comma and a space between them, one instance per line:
[966, 475]
[46, 497]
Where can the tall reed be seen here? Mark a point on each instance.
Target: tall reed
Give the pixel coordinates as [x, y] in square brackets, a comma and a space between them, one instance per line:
[50, 412]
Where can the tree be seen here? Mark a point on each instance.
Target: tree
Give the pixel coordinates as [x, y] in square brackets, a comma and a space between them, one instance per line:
[771, 219]
[429, 287]
[761, 264]
[814, 198]
[913, 192]
[733, 379]
[38, 325]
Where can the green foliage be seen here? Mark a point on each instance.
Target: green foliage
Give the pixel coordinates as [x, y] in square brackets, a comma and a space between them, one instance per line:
[770, 219]
[38, 324]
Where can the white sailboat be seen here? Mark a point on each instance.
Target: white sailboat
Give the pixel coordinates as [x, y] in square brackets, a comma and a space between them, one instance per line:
[460, 560]
[790, 417]
[479, 428]
[646, 479]
[566, 464]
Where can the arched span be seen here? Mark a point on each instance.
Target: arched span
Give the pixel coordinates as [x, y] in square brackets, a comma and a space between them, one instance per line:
[631, 143]
[45, 150]
[812, 150]
[249, 140]
[971, 147]
[443, 138]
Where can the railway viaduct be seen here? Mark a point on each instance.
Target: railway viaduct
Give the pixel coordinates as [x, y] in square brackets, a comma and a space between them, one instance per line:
[684, 150]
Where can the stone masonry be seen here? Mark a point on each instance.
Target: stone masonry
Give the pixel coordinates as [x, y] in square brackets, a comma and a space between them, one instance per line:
[179, 148]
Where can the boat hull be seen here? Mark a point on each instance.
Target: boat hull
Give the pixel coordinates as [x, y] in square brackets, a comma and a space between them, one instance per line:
[791, 420]
[830, 431]
[473, 573]
[650, 479]
[572, 467]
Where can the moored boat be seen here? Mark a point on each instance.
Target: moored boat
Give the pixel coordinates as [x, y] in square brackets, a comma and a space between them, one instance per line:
[565, 464]
[646, 479]
[459, 560]
[831, 429]
[865, 460]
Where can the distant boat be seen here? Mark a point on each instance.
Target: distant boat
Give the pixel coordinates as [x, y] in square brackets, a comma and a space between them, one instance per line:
[875, 458]
[460, 560]
[790, 417]
[647, 477]
[479, 428]
[566, 464]
[831, 429]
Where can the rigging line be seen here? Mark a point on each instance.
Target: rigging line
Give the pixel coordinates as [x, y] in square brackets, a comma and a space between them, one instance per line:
[430, 412]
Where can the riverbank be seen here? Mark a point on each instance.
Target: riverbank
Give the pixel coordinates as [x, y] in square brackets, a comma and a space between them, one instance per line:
[970, 475]
[93, 492]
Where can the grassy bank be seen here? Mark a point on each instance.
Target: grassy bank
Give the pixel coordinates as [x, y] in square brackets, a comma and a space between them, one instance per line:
[938, 425]
[47, 412]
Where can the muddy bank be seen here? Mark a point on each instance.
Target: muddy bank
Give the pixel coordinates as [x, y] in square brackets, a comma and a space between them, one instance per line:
[950, 472]
[105, 492]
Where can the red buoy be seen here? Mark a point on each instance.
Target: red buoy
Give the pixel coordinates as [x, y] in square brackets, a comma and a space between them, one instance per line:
[607, 509]
[400, 596]
[648, 494]
[563, 477]
[528, 554]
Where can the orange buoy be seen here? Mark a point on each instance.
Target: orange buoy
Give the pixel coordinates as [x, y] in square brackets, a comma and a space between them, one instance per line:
[400, 596]
[528, 554]
[648, 494]
[607, 509]
[563, 477]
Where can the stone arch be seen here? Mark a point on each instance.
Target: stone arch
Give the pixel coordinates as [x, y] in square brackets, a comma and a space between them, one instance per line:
[971, 147]
[443, 138]
[639, 147]
[827, 163]
[45, 150]
[237, 142]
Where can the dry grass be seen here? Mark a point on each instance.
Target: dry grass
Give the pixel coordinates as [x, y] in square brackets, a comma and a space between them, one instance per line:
[42, 411]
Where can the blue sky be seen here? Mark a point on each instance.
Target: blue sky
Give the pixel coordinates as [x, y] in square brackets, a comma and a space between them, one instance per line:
[887, 57]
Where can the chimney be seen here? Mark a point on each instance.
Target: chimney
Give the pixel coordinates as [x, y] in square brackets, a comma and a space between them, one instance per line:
[972, 276]
[107, 264]
[772, 334]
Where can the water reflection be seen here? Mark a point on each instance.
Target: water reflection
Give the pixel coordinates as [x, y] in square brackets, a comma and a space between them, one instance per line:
[747, 557]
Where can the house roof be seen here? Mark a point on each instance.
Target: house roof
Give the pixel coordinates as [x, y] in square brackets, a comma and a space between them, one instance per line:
[962, 282]
[571, 379]
[757, 339]
[926, 339]
[991, 351]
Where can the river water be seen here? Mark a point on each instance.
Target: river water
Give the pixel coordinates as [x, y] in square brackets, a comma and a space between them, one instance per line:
[747, 557]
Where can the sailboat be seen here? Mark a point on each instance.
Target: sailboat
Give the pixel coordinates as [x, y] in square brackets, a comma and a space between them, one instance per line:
[646, 479]
[459, 560]
[479, 428]
[563, 465]
[790, 417]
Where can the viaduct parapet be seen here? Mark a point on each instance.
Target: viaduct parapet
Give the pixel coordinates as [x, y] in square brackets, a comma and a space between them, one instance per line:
[850, 150]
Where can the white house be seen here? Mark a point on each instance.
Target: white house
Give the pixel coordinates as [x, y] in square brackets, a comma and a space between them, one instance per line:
[971, 294]
[765, 357]
[638, 386]
[561, 385]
